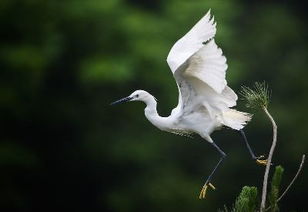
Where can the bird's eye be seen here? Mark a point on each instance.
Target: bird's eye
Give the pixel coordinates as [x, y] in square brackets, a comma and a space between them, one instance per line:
[137, 95]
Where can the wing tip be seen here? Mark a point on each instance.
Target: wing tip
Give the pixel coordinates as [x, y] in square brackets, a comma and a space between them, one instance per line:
[210, 18]
[208, 13]
[207, 26]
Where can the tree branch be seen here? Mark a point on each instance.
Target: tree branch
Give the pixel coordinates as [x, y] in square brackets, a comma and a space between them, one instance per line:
[293, 180]
[269, 160]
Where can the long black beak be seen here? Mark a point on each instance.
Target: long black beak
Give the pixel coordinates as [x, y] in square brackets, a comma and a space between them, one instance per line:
[126, 99]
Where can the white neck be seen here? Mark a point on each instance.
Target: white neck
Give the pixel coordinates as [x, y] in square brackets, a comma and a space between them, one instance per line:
[151, 114]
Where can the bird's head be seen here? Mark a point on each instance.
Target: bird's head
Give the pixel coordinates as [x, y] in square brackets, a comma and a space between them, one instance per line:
[138, 95]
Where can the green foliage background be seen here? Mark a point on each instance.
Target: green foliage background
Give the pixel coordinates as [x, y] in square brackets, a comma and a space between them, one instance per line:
[62, 62]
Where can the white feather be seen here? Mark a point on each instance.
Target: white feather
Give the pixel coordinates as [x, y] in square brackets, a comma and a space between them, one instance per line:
[236, 119]
[200, 72]
[189, 44]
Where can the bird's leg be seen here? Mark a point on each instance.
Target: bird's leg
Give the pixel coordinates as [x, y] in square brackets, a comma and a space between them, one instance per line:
[259, 159]
[207, 182]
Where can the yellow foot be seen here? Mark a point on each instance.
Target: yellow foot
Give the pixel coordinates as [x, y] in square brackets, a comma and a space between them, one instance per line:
[260, 161]
[204, 188]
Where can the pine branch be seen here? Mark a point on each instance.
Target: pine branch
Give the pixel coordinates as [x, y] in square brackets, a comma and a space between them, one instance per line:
[258, 97]
[269, 160]
[293, 180]
[291, 183]
[275, 185]
[247, 200]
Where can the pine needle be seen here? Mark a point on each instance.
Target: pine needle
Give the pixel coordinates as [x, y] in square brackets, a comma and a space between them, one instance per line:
[258, 97]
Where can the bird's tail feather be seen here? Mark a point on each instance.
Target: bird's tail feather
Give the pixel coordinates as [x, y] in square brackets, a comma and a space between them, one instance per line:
[235, 119]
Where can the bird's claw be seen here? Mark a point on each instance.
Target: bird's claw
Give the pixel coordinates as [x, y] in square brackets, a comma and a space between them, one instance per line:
[204, 189]
[261, 161]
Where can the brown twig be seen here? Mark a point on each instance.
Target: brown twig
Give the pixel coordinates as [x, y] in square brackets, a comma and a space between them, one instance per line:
[293, 180]
[269, 160]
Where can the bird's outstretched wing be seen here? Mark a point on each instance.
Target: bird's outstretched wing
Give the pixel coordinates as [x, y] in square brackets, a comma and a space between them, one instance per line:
[199, 69]
[190, 43]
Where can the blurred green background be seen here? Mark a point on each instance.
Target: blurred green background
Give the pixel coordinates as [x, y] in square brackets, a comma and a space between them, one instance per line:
[62, 62]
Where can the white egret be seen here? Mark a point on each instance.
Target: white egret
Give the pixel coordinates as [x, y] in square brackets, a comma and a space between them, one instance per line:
[199, 69]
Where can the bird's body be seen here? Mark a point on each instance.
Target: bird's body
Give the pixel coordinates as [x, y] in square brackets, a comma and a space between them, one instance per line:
[199, 69]
[202, 118]
[205, 99]
[198, 120]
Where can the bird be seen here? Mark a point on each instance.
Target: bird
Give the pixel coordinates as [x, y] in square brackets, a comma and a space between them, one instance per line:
[205, 101]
